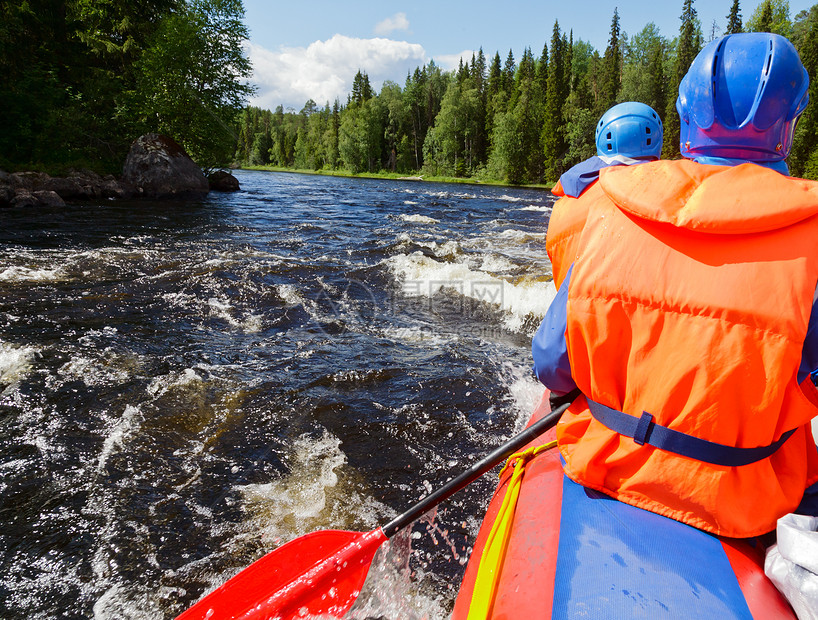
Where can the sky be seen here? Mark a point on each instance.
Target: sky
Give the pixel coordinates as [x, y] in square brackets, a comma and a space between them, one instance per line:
[312, 49]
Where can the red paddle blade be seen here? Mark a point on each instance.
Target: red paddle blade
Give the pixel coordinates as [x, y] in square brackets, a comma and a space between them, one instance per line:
[320, 573]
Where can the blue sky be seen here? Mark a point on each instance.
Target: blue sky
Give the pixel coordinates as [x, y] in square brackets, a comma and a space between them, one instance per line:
[312, 49]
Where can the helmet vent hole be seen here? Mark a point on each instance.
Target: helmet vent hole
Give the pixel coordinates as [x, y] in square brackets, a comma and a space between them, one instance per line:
[648, 141]
[647, 130]
[609, 135]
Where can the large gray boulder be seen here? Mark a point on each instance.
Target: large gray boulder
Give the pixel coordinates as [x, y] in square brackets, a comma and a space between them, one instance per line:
[157, 167]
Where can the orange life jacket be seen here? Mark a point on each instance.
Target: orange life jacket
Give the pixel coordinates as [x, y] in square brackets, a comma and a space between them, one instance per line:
[565, 226]
[690, 300]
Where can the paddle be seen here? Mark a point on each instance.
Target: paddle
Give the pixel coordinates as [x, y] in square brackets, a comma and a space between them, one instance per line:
[323, 572]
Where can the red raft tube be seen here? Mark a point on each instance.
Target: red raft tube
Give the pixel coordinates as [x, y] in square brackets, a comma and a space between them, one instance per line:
[564, 551]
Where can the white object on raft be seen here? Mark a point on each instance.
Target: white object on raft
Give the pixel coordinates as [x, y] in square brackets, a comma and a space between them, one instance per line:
[792, 563]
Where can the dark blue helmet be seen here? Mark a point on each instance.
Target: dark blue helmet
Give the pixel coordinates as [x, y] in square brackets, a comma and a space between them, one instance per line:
[631, 129]
[741, 98]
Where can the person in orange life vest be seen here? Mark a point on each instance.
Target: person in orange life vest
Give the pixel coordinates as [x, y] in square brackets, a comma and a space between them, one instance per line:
[688, 322]
[628, 133]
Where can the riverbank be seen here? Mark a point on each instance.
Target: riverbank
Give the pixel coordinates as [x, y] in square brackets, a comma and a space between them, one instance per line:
[395, 176]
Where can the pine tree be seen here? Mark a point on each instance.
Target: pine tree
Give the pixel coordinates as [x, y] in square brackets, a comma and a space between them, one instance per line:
[656, 73]
[494, 86]
[771, 16]
[734, 19]
[479, 71]
[361, 89]
[611, 68]
[766, 22]
[509, 69]
[542, 72]
[525, 73]
[554, 145]
[688, 46]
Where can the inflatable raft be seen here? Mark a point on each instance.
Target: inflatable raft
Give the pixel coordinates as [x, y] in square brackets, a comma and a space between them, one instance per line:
[571, 552]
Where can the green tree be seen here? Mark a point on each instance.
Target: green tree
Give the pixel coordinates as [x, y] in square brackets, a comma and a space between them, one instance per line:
[359, 137]
[553, 138]
[611, 68]
[65, 67]
[396, 123]
[734, 19]
[643, 70]
[580, 135]
[687, 47]
[192, 81]
[771, 16]
[765, 20]
[506, 158]
[449, 145]
[361, 89]
[542, 72]
[509, 68]
[803, 159]
[495, 99]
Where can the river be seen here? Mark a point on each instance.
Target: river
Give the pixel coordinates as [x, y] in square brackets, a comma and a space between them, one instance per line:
[185, 386]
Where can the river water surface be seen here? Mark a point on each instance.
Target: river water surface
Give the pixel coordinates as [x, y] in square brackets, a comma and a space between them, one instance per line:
[186, 386]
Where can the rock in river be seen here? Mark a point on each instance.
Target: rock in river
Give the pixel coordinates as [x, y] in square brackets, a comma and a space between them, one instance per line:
[158, 167]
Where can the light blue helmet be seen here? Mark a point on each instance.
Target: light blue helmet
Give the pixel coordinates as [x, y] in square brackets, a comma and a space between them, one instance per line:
[631, 129]
[741, 98]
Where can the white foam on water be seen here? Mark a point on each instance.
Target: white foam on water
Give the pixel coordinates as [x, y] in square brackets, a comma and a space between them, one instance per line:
[109, 367]
[541, 209]
[506, 198]
[316, 494]
[224, 310]
[425, 335]
[20, 274]
[160, 385]
[521, 236]
[392, 589]
[127, 426]
[311, 496]
[497, 263]
[289, 294]
[449, 248]
[120, 602]
[418, 219]
[424, 276]
[524, 391]
[15, 362]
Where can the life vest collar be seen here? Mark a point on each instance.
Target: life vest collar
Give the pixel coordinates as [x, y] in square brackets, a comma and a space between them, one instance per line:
[704, 198]
[576, 180]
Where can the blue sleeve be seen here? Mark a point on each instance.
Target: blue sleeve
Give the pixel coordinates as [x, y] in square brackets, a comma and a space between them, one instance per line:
[809, 355]
[551, 364]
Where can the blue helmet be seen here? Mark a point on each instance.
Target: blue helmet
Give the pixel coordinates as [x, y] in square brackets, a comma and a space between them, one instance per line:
[741, 98]
[631, 129]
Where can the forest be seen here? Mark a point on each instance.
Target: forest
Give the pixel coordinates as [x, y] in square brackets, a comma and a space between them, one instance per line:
[518, 121]
[82, 79]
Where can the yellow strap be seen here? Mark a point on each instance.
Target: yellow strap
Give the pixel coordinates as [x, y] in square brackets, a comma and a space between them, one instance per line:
[491, 562]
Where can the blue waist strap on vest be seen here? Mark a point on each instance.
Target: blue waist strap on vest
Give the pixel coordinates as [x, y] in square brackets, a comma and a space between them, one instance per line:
[644, 430]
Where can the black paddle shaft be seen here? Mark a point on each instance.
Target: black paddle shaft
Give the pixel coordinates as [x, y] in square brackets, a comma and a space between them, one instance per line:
[475, 471]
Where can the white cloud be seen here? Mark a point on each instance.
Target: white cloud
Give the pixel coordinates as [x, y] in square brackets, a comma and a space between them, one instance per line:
[397, 22]
[449, 62]
[325, 69]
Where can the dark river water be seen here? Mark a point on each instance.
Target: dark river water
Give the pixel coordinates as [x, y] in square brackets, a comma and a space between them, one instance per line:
[186, 386]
